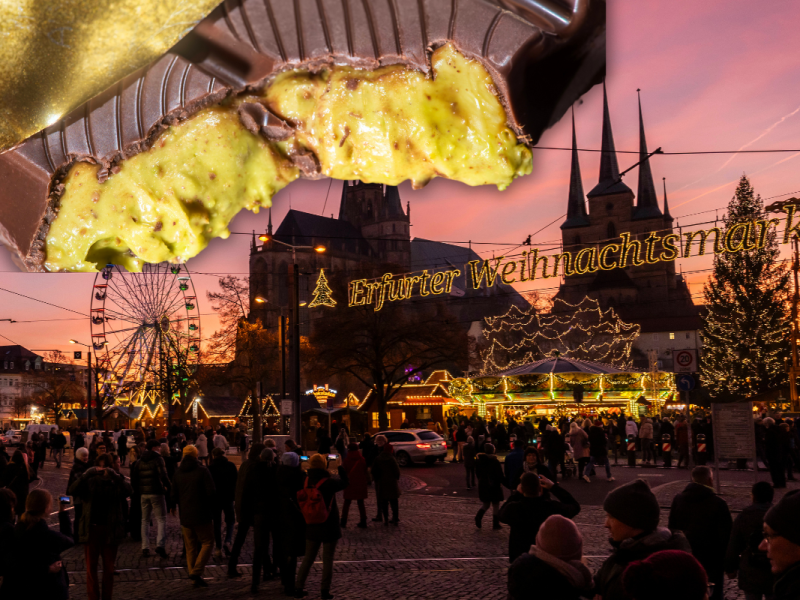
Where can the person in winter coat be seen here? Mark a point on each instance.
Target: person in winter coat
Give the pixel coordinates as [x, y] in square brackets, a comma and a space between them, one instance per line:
[103, 492]
[782, 544]
[774, 453]
[632, 515]
[326, 534]
[743, 560]
[79, 467]
[532, 463]
[8, 502]
[122, 447]
[527, 508]
[262, 486]
[291, 540]
[224, 473]
[357, 473]
[386, 474]
[646, 437]
[598, 451]
[682, 441]
[342, 443]
[490, 485]
[17, 478]
[579, 441]
[368, 449]
[705, 520]
[31, 559]
[202, 448]
[221, 442]
[150, 481]
[554, 448]
[468, 453]
[552, 568]
[666, 575]
[193, 492]
[243, 507]
[58, 442]
[631, 429]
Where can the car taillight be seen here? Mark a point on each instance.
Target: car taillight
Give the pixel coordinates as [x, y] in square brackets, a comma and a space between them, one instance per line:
[424, 446]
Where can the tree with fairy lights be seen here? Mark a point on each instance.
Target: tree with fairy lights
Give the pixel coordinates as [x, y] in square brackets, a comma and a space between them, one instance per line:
[582, 331]
[746, 324]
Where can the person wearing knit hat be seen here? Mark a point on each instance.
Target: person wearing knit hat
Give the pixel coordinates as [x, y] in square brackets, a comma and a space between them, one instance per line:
[190, 450]
[528, 508]
[553, 567]
[666, 575]
[632, 516]
[782, 544]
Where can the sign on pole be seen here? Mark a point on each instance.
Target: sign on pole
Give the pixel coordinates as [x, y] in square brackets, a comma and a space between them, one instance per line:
[286, 408]
[734, 433]
[684, 383]
[685, 361]
[77, 354]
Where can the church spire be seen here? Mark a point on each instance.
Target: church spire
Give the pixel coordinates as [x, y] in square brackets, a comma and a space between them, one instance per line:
[667, 216]
[576, 203]
[269, 225]
[609, 182]
[646, 199]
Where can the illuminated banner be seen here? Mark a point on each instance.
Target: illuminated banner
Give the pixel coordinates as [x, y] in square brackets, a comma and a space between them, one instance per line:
[651, 248]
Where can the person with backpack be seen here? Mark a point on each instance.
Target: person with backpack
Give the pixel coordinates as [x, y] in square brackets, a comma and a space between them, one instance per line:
[743, 558]
[317, 502]
[359, 477]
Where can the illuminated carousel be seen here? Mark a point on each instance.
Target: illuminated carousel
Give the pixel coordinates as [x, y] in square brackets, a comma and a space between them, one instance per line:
[558, 385]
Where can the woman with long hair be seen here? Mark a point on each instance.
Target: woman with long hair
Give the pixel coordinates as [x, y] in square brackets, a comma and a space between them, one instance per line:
[36, 559]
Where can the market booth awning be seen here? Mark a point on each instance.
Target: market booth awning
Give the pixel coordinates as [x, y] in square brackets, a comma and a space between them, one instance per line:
[560, 383]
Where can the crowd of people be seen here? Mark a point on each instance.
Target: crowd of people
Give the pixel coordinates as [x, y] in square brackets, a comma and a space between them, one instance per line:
[289, 502]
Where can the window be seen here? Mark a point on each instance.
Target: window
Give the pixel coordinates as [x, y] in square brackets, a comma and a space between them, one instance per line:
[672, 336]
[397, 436]
[376, 422]
[428, 435]
[11, 365]
[424, 413]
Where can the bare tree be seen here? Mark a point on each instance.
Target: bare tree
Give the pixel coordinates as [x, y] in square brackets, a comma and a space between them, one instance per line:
[382, 349]
[241, 353]
[22, 406]
[55, 385]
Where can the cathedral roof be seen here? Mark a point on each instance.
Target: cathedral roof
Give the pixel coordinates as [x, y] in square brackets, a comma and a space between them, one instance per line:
[302, 228]
[576, 203]
[609, 181]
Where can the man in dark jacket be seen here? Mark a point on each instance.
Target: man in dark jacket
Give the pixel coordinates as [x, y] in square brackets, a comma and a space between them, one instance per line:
[513, 465]
[102, 524]
[193, 492]
[743, 558]
[526, 510]
[262, 486]
[79, 467]
[151, 483]
[224, 474]
[57, 445]
[705, 520]
[122, 447]
[243, 507]
[632, 515]
[774, 454]
[782, 545]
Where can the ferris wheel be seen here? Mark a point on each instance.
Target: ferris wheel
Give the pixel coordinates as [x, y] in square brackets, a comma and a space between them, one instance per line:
[143, 324]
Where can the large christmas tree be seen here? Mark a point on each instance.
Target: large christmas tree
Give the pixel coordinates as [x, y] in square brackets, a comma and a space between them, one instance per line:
[745, 330]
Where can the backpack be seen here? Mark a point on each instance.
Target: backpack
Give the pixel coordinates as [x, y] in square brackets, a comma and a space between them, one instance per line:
[312, 503]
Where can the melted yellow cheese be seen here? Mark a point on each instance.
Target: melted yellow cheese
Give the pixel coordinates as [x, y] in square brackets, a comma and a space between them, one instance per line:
[385, 125]
[393, 124]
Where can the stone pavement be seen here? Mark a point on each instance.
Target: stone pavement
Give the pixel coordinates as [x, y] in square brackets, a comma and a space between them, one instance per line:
[435, 552]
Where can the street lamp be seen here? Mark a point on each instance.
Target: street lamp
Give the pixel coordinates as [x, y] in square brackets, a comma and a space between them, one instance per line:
[89, 383]
[295, 319]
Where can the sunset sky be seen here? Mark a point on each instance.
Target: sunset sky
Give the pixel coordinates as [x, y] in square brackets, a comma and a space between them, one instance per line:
[716, 75]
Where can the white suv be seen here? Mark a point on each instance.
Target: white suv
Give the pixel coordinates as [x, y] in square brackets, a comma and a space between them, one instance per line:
[412, 445]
